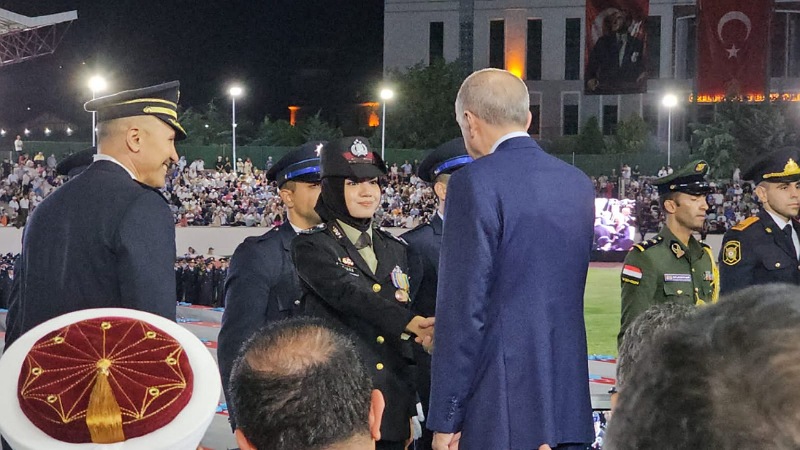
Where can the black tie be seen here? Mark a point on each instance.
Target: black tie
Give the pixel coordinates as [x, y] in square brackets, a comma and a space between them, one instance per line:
[788, 231]
[363, 241]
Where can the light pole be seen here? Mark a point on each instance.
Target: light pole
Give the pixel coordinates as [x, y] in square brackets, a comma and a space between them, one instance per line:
[386, 95]
[235, 91]
[96, 84]
[670, 101]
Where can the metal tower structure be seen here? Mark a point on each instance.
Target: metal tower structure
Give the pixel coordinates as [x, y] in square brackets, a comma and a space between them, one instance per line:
[23, 38]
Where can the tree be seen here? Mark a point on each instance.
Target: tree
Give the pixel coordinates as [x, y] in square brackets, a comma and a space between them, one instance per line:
[279, 133]
[206, 125]
[630, 136]
[422, 116]
[590, 139]
[316, 129]
[742, 132]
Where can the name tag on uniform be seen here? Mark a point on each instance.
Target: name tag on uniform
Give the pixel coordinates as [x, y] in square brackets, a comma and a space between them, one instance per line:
[677, 277]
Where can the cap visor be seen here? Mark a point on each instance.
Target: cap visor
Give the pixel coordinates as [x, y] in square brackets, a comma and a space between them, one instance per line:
[366, 171]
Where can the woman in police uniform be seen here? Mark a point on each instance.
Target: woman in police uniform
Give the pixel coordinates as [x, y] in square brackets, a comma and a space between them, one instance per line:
[353, 275]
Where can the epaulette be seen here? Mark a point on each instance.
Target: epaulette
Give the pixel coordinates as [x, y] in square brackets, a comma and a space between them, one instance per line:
[741, 226]
[387, 233]
[316, 229]
[644, 245]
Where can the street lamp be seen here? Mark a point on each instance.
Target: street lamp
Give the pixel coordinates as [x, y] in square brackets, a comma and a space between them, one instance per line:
[669, 101]
[386, 95]
[96, 84]
[235, 91]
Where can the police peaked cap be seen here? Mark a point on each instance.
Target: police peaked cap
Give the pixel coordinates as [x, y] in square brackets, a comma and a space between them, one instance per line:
[444, 159]
[780, 166]
[160, 101]
[300, 164]
[351, 157]
[76, 163]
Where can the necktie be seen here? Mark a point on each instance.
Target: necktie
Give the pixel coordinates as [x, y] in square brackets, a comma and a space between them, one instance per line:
[363, 241]
[788, 231]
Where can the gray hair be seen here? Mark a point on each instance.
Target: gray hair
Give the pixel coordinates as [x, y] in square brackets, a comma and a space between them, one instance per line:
[496, 96]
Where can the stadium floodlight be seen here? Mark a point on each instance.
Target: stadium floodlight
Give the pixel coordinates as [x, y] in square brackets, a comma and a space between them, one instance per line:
[386, 95]
[234, 91]
[670, 101]
[96, 84]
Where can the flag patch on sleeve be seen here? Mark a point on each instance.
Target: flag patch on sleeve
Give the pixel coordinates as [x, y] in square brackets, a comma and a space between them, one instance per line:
[632, 272]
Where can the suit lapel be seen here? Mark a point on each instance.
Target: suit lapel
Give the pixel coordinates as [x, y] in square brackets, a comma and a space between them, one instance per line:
[287, 234]
[437, 224]
[336, 231]
[381, 250]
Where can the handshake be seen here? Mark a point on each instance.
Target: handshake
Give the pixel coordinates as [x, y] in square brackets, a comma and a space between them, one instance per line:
[422, 327]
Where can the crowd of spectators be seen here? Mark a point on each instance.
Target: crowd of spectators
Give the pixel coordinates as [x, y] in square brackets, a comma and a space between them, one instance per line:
[632, 201]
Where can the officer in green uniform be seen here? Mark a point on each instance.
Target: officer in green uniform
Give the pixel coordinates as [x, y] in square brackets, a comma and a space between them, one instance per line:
[673, 267]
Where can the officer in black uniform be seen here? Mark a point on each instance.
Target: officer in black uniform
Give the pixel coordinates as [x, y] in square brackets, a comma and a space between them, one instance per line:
[765, 248]
[262, 284]
[354, 276]
[424, 243]
[106, 238]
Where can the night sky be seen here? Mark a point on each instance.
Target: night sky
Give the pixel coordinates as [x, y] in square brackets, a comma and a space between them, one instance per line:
[315, 53]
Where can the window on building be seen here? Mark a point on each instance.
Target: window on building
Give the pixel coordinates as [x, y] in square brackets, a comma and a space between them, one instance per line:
[685, 48]
[572, 50]
[536, 120]
[691, 48]
[497, 44]
[610, 118]
[534, 50]
[650, 117]
[785, 45]
[653, 30]
[570, 118]
[436, 42]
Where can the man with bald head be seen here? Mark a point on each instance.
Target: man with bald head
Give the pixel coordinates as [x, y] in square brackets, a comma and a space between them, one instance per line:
[107, 237]
[299, 384]
[509, 366]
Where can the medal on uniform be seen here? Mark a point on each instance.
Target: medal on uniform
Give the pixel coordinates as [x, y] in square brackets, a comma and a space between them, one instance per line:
[400, 281]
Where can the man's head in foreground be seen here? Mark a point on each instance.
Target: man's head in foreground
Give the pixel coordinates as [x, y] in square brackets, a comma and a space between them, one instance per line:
[726, 377]
[298, 384]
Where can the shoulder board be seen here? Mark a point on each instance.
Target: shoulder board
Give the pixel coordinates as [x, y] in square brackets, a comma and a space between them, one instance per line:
[316, 229]
[388, 234]
[741, 226]
[644, 245]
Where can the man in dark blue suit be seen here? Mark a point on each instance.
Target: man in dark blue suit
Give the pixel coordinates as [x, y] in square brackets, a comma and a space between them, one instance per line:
[509, 367]
[424, 243]
[262, 284]
[107, 237]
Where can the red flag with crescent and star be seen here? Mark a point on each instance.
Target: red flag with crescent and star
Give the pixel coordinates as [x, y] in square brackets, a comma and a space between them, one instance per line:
[732, 47]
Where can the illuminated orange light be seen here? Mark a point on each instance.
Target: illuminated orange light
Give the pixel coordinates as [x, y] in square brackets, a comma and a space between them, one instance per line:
[371, 104]
[747, 98]
[374, 121]
[293, 115]
[515, 60]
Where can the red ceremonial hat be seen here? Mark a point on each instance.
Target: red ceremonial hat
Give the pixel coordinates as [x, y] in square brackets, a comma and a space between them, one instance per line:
[108, 376]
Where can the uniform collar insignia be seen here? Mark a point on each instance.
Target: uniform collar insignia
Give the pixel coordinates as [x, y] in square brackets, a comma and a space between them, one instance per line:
[677, 249]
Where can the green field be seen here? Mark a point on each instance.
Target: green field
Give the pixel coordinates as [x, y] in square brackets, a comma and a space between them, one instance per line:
[602, 310]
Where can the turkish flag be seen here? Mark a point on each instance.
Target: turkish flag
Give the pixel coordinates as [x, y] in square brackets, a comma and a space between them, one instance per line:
[732, 47]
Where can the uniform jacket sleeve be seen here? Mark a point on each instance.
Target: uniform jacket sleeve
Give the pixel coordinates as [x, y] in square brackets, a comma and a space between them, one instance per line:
[471, 236]
[247, 290]
[636, 298]
[145, 249]
[317, 266]
[740, 274]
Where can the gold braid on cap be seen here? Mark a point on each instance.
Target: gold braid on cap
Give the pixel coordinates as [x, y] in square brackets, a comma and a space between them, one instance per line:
[791, 168]
[103, 416]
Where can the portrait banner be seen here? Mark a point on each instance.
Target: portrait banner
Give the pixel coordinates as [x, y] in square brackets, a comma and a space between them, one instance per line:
[616, 41]
[732, 48]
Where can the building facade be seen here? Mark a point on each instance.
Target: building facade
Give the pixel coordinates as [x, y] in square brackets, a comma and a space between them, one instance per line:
[543, 41]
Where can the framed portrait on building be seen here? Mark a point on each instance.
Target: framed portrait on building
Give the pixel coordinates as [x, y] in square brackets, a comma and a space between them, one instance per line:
[616, 41]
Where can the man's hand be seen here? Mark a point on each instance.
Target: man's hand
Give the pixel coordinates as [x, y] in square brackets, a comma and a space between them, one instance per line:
[421, 327]
[446, 441]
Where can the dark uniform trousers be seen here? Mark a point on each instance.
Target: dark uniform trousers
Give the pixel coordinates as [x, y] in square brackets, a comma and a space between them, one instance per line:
[756, 251]
[261, 287]
[424, 245]
[339, 287]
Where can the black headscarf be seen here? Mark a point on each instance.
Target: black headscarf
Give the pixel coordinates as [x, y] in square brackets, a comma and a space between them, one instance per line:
[331, 204]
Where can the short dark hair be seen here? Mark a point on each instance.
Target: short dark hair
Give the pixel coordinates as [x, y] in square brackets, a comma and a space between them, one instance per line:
[725, 378]
[643, 330]
[298, 384]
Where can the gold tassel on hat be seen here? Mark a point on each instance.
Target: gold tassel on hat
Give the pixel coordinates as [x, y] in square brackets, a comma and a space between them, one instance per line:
[103, 416]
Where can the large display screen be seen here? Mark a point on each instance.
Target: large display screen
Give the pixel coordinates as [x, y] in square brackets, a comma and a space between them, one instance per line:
[615, 225]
